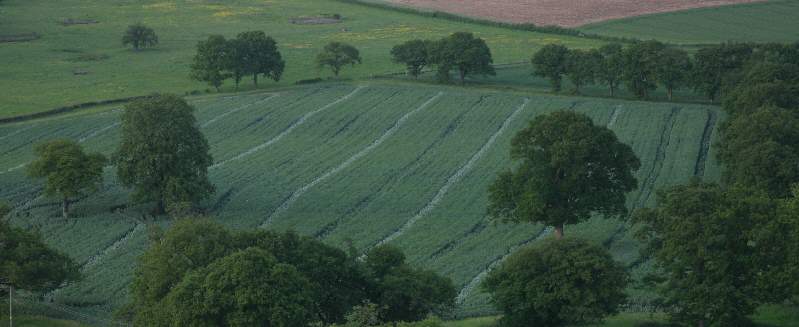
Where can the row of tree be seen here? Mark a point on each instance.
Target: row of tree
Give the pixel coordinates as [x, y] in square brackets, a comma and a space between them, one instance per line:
[462, 52]
[199, 274]
[250, 53]
[720, 251]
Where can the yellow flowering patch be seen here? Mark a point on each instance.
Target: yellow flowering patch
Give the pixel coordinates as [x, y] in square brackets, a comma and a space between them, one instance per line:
[164, 6]
[391, 32]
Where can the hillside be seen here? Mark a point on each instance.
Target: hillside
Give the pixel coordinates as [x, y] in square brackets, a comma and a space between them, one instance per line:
[371, 163]
[770, 21]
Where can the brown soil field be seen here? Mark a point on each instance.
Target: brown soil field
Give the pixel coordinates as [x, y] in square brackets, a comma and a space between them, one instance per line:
[567, 13]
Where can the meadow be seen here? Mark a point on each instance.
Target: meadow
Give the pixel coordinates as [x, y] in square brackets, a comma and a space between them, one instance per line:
[75, 63]
[770, 21]
[354, 163]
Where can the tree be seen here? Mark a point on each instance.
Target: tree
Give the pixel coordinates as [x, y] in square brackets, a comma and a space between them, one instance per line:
[581, 67]
[465, 53]
[261, 56]
[611, 68]
[68, 171]
[640, 65]
[715, 249]
[337, 55]
[761, 150]
[550, 63]
[414, 54]
[764, 84]
[713, 64]
[163, 154]
[557, 283]
[236, 60]
[568, 168]
[5, 209]
[246, 288]
[673, 69]
[209, 63]
[139, 36]
[26, 262]
[404, 293]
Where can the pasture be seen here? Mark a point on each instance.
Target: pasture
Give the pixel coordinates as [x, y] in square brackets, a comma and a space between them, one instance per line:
[770, 21]
[79, 56]
[355, 164]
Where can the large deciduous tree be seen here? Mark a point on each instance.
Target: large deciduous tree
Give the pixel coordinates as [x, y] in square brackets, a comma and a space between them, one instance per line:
[581, 67]
[68, 171]
[568, 168]
[414, 54]
[640, 65]
[462, 51]
[261, 56]
[139, 36]
[163, 155]
[557, 283]
[712, 65]
[720, 252]
[336, 55]
[550, 63]
[610, 69]
[209, 64]
[673, 69]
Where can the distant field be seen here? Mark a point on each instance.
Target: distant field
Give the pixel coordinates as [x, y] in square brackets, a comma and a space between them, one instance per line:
[559, 12]
[770, 21]
[407, 165]
[41, 74]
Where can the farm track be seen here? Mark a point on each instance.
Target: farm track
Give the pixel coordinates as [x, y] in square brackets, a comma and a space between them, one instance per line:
[98, 257]
[456, 177]
[704, 149]
[287, 131]
[464, 293]
[660, 155]
[388, 133]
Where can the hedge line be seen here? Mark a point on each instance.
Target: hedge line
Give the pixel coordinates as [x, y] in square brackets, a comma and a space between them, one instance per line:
[66, 109]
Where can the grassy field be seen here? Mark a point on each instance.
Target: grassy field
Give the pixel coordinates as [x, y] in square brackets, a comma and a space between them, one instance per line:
[374, 163]
[771, 21]
[40, 74]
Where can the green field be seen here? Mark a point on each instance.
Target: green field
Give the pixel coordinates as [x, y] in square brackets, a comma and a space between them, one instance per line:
[39, 75]
[373, 162]
[770, 21]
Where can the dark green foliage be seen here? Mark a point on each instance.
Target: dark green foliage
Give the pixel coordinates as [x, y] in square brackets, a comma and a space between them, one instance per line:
[336, 55]
[550, 63]
[717, 249]
[673, 69]
[414, 54]
[464, 52]
[5, 209]
[210, 62]
[568, 168]
[139, 36]
[69, 172]
[611, 68]
[163, 155]
[712, 65]
[641, 61]
[557, 283]
[761, 150]
[246, 288]
[26, 262]
[581, 66]
[260, 56]
[404, 293]
[765, 83]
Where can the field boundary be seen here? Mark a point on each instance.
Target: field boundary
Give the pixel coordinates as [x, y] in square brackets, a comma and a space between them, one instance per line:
[67, 109]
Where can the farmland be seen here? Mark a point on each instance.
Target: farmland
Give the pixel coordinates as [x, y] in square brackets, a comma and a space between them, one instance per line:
[76, 63]
[771, 21]
[360, 163]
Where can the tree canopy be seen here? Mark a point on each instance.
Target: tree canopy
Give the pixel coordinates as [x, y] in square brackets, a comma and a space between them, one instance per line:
[550, 63]
[163, 155]
[557, 283]
[414, 54]
[68, 171]
[641, 62]
[611, 67]
[261, 56]
[465, 53]
[139, 36]
[26, 262]
[673, 69]
[568, 168]
[581, 66]
[336, 55]
[210, 64]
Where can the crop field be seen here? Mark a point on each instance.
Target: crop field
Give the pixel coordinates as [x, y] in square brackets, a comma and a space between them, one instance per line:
[362, 164]
[74, 63]
[770, 21]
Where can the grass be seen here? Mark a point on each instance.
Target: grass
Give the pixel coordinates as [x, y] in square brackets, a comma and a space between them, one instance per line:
[38, 321]
[38, 75]
[769, 21]
[366, 162]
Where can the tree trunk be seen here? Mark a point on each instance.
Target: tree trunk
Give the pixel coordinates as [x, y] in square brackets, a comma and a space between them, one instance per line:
[335, 71]
[463, 76]
[701, 323]
[65, 208]
[670, 91]
[612, 90]
[559, 232]
[160, 208]
[255, 80]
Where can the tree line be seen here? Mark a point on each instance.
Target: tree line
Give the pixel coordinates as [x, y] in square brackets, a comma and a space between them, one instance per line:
[461, 51]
